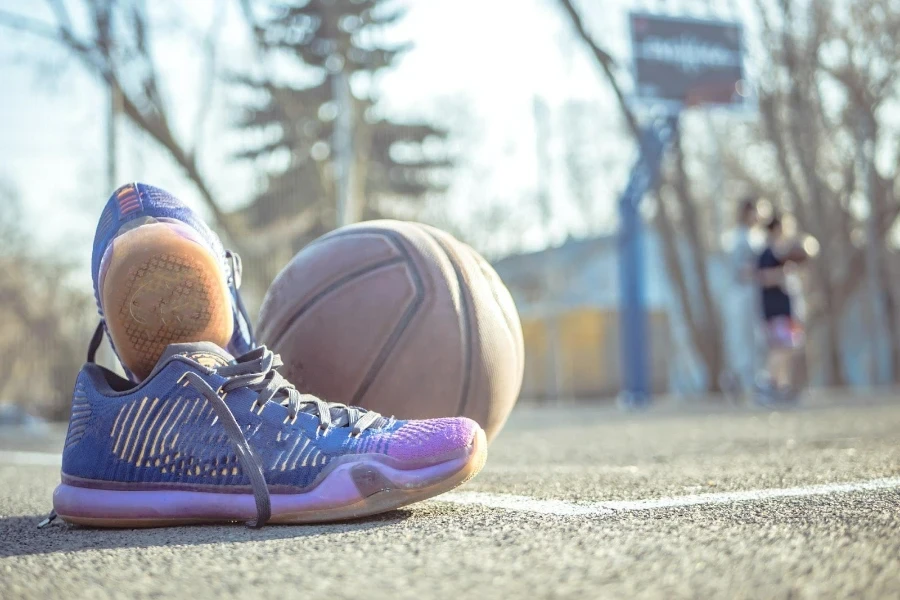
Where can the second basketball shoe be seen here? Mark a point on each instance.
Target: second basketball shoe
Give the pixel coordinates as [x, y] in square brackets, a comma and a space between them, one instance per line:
[161, 276]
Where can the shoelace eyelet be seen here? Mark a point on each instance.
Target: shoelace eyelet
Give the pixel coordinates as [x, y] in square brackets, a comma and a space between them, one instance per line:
[257, 371]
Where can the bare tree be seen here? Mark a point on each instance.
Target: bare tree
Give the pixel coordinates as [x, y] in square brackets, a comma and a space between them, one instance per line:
[44, 322]
[831, 69]
[587, 161]
[117, 48]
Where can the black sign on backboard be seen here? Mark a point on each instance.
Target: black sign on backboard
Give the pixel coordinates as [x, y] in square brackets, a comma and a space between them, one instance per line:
[686, 62]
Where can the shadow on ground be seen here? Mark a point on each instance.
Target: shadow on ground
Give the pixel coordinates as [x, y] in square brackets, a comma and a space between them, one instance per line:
[21, 536]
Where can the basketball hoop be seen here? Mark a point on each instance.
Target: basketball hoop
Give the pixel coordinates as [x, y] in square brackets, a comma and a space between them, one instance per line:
[677, 63]
[681, 62]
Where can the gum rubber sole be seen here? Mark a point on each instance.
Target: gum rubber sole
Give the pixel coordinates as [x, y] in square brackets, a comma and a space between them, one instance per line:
[158, 287]
[334, 489]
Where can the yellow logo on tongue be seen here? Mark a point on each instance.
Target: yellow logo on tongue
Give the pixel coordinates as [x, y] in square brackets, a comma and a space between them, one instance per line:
[208, 359]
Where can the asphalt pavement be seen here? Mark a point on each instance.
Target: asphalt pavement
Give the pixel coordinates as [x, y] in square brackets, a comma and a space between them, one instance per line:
[576, 501]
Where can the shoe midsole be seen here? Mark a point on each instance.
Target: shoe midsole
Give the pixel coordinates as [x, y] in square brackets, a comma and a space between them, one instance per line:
[345, 485]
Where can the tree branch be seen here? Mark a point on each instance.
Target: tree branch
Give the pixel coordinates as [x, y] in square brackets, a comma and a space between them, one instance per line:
[29, 25]
[607, 64]
[672, 258]
[61, 13]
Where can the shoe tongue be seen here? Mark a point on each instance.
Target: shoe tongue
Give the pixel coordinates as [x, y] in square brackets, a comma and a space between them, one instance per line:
[206, 354]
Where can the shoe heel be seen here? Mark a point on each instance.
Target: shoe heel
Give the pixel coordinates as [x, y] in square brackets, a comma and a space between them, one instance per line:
[159, 287]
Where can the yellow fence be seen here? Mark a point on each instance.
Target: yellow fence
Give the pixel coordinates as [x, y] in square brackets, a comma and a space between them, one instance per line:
[576, 354]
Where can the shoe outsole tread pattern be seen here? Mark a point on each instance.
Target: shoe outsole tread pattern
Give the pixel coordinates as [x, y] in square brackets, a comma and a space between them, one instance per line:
[161, 288]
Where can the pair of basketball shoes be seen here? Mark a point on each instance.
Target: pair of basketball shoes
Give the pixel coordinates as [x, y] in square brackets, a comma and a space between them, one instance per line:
[204, 429]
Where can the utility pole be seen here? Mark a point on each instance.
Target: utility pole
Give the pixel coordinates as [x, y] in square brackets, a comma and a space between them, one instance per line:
[104, 41]
[875, 285]
[342, 143]
[112, 178]
[106, 355]
[542, 153]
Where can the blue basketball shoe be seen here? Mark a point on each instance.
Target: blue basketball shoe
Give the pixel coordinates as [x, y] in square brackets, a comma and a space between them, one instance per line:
[161, 276]
[208, 438]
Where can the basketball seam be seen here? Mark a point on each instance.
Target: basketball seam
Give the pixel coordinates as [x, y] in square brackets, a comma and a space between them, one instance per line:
[466, 330]
[507, 318]
[331, 288]
[405, 319]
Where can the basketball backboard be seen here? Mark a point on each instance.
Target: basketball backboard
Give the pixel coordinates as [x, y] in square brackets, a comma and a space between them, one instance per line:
[683, 61]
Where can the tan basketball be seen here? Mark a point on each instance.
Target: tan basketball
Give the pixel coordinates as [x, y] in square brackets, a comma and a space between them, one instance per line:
[401, 318]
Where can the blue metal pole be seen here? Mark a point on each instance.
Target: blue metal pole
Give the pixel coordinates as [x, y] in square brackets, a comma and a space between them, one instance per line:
[633, 321]
[633, 329]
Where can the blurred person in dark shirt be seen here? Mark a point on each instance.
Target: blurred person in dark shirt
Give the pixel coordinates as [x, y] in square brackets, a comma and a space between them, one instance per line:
[784, 331]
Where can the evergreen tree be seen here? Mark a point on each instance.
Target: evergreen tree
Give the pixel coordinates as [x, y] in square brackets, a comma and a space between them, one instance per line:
[333, 43]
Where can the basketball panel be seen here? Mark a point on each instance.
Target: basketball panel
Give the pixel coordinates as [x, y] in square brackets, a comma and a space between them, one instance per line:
[320, 266]
[425, 373]
[496, 367]
[333, 347]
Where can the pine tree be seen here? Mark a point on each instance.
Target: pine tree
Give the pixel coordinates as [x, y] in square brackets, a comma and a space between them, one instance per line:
[333, 42]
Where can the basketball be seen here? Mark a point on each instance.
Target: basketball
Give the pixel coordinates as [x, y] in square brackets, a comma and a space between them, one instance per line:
[797, 253]
[400, 318]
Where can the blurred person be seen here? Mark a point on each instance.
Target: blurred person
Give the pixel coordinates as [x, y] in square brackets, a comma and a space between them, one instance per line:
[784, 332]
[742, 308]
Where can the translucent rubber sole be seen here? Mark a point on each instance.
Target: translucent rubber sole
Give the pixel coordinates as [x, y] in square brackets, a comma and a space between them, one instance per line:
[354, 489]
[159, 285]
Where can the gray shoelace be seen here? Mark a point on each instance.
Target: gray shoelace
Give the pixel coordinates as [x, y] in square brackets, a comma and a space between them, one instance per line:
[256, 370]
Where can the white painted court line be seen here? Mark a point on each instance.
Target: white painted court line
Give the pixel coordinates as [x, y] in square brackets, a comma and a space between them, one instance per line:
[565, 508]
[566, 469]
[43, 459]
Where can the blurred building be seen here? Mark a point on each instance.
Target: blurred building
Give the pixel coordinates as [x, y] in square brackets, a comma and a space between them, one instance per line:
[568, 299]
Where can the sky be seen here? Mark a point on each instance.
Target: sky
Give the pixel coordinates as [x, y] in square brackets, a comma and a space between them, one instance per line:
[485, 61]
